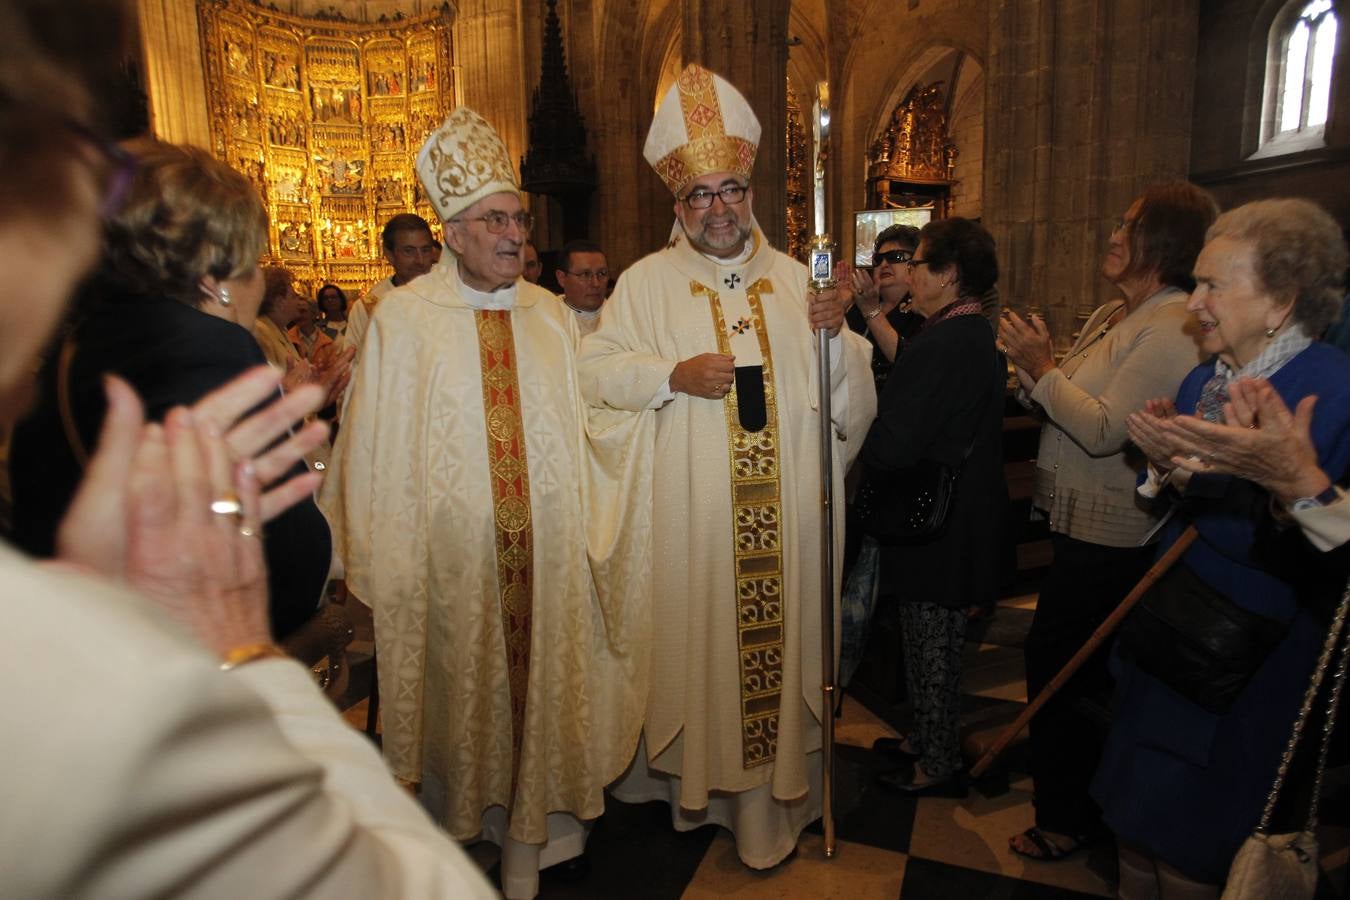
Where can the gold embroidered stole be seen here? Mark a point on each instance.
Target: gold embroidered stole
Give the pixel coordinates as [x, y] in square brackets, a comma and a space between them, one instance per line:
[511, 507]
[756, 516]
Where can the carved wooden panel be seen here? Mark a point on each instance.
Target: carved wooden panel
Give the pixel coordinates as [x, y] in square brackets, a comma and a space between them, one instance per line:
[326, 118]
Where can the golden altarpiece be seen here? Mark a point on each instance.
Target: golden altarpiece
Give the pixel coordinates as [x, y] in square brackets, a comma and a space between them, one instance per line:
[798, 179]
[326, 118]
[910, 164]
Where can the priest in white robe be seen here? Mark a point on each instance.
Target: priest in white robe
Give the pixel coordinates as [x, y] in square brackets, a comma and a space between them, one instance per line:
[701, 383]
[456, 501]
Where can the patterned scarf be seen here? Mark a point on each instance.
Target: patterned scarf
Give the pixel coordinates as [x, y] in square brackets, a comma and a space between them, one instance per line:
[962, 306]
[1288, 344]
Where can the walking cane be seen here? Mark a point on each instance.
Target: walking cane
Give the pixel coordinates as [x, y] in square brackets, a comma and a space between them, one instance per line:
[822, 277]
[1103, 631]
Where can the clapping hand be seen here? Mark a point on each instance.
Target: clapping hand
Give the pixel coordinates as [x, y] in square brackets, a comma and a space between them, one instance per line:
[93, 533]
[194, 533]
[1261, 441]
[1147, 430]
[333, 370]
[1027, 344]
[866, 291]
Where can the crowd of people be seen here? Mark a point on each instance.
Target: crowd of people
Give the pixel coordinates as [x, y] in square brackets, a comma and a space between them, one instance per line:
[589, 526]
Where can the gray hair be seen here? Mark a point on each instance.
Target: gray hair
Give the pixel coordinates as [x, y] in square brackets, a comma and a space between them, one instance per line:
[1298, 253]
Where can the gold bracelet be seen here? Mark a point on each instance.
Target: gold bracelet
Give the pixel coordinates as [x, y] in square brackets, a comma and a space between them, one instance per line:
[247, 653]
[873, 314]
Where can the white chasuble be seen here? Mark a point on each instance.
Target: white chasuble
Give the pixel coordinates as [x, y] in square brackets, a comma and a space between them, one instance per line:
[728, 516]
[456, 502]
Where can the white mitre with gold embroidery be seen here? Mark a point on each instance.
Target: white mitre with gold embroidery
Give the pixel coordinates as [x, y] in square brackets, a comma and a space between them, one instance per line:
[703, 125]
[463, 161]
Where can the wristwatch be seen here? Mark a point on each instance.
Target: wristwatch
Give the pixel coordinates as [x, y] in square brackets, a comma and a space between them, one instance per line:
[1326, 498]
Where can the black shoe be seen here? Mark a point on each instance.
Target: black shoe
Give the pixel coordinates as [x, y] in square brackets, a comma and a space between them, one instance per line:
[574, 869]
[894, 747]
[953, 786]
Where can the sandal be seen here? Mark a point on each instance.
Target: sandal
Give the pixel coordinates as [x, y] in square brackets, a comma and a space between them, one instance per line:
[1048, 850]
[898, 747]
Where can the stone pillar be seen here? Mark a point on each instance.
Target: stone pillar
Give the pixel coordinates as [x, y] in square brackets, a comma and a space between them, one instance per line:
[1087, 101]
[489, 55]
[745, 41]
[175, 83]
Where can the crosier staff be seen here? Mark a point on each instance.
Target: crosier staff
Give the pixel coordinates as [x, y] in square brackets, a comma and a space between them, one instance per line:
[821, 255]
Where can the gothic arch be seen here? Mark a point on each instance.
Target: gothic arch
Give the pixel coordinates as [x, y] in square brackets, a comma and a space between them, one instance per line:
[807, 62]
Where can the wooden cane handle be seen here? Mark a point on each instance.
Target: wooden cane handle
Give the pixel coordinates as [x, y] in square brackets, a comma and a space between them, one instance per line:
[1104, 630]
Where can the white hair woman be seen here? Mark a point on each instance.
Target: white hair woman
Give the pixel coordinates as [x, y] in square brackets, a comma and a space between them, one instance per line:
[1195, 745]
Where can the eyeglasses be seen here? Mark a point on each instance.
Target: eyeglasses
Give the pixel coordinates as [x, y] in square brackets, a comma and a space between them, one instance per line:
[120, 169]
[916, 262]
[497, 221]
[1121, 225]
[894, 257]
[587, 275]
[731, 194]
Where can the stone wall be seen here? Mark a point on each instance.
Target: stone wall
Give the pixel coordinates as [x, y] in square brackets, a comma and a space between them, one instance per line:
[1087, 101]
[966, 128]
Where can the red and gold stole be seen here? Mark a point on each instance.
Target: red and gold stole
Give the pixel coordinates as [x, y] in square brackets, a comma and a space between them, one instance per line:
[510, 505]
[756, 539]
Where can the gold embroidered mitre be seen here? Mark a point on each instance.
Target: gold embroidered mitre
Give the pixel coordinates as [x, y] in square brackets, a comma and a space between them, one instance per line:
[703, 125]
[463, 161]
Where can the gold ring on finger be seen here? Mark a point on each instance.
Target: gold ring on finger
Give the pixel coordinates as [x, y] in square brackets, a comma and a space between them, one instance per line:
[227, 504]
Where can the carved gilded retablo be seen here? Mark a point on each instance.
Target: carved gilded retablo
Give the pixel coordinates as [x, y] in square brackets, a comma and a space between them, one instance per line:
[325, 117]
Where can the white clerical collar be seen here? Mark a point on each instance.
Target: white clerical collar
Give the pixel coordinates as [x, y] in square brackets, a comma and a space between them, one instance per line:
[739, 259]
[581, 313]
[502, 298]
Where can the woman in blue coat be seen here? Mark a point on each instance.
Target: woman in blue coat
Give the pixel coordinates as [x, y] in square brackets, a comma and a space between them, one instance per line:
[1184, 778]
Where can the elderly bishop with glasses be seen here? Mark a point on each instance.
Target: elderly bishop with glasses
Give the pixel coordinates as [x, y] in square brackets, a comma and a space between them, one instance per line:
[703, 404]
[455, 498]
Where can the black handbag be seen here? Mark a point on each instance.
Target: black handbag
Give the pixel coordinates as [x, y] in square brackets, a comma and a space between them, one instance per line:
[907, 506]
[911, 506]
[1196, 641]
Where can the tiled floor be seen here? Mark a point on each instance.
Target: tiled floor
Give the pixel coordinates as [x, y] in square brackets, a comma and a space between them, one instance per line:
[889, 846]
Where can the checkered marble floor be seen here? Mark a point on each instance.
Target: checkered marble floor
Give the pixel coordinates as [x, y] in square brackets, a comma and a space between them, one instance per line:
[889, 846]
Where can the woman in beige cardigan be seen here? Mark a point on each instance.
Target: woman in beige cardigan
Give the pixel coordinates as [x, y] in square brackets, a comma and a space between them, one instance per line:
[1129, 351]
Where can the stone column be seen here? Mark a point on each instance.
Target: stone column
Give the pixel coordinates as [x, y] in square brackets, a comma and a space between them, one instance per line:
[175, 83]
[489, 54]
[1086, 102]
[745, 41]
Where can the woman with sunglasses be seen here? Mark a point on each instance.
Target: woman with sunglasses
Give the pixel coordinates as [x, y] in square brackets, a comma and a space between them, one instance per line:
[880, 312]
[1131, 350]
[880, 309]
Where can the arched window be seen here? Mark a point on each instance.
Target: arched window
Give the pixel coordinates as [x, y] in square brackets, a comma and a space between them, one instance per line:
[1298, 76]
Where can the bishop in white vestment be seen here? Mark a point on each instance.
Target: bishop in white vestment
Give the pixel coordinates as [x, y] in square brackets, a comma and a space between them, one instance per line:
[456, 503]
[702, 386]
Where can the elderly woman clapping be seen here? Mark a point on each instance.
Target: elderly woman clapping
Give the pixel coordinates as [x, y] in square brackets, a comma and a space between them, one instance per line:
[174, 292]
[1192, 753]
[1262, 440]
[1131, 349]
